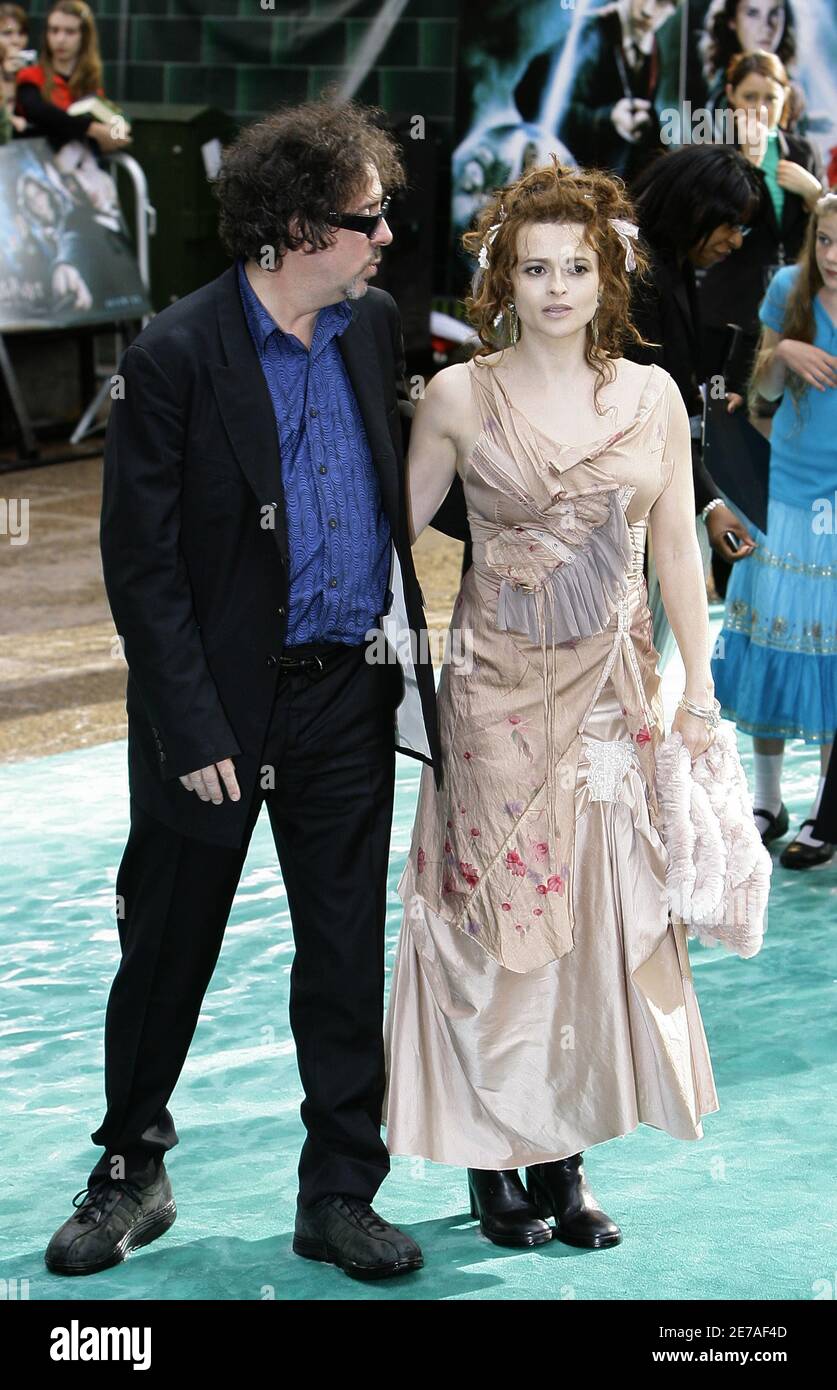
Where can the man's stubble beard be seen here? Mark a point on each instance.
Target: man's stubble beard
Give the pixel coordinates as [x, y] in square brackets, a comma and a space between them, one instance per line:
[356, 287]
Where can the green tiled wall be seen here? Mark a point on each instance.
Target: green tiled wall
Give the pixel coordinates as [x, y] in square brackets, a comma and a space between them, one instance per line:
[248, 60]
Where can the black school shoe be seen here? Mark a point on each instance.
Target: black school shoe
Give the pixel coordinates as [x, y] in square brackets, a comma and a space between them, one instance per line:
[798, 855]
[345, 1231]
[777, 825]
[114, 1217]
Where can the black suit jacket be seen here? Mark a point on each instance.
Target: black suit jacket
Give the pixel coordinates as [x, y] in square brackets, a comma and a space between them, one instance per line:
[732, 290]
[195, 546]
[603, 77]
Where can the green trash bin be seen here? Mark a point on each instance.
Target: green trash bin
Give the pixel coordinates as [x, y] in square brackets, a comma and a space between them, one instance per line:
[168, 141]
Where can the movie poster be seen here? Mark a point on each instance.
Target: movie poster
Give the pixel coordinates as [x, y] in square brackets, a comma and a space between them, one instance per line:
[65, 255]
[613, 84]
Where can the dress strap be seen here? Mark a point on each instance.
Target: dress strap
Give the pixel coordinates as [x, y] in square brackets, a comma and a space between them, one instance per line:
[482, 389]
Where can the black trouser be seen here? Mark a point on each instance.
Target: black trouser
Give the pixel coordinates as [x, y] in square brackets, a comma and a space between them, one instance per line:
[825, 826]
[331, 743]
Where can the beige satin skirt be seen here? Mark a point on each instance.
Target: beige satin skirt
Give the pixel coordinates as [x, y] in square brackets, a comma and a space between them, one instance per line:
[488, 1068]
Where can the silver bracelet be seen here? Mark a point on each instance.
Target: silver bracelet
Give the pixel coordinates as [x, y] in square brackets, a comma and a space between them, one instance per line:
[711, 715]
[716, 502]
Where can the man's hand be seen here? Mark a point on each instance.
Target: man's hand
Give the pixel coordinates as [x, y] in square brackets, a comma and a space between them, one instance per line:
[722, 519]
[67, 279]
[629, 116]
[734, 402]
[207, 784]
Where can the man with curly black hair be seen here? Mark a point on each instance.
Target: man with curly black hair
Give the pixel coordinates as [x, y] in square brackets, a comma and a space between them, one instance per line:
[256, 548]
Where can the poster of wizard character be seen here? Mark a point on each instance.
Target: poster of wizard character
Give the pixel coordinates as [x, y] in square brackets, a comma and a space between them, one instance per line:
[65, 254]
[613, 85]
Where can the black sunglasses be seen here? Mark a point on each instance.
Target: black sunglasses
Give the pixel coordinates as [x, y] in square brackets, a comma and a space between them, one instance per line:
[360, 222]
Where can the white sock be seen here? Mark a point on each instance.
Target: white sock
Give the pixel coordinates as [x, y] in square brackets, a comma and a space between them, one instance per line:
[768, 792]
[805, 835]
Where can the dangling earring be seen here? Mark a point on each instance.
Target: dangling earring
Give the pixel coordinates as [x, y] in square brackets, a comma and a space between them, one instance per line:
[514, 323]
[594, 325]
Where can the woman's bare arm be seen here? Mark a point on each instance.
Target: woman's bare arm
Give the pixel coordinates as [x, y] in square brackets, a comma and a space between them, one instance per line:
[777, 355]
[769, 371]
[431, 462]
[678, 558]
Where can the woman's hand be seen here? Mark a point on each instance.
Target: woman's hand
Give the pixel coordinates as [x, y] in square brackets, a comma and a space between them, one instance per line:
[695, 732]
[108, 142]
[722, 519]
[814, 365]
[795, 179]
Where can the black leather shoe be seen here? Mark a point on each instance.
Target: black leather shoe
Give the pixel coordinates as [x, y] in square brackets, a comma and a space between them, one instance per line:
[777, 825]
[506, 1215]
[114, 1217]
[560, 1190]
[798, 855]
[345, 1231]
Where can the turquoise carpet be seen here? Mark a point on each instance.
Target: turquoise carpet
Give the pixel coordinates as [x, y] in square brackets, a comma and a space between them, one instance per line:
[748, 1212]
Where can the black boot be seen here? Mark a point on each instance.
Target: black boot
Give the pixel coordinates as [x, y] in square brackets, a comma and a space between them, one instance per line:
[560, 1190]
[505, 1213]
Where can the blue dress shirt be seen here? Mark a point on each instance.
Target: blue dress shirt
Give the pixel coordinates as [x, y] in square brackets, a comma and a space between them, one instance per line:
[338, 533]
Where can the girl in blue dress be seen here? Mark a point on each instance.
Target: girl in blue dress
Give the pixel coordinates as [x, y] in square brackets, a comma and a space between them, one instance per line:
[775, 669]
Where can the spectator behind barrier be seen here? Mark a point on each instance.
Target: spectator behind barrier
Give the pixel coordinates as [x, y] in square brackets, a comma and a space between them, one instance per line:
[759, 93]
[69, 69]
[789, 168]
[736, 26]
[14, 37]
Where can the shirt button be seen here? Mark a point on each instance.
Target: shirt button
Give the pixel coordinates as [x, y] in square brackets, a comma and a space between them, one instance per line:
[281, 612]
[323, 468]
[312, 413]
[332, 523]
[332, 583]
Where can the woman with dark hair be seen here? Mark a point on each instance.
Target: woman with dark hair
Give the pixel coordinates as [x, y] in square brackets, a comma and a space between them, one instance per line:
[776, 671]
[525, 1021]
[69, 68]
[739, 26]
[694, 207]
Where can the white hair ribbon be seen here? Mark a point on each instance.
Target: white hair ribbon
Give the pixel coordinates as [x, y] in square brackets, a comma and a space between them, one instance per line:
[482, 260]
[626, 232]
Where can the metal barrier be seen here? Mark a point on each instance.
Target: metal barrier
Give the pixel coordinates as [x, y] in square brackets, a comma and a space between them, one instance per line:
[145, 227]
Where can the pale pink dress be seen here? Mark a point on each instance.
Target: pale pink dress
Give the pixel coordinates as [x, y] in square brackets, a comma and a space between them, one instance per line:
[541, 1000]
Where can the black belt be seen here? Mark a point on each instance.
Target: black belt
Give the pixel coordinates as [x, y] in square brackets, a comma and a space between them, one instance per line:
[313, 656]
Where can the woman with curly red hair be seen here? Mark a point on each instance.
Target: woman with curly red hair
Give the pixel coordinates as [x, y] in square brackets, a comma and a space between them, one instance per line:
[541, 1002]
